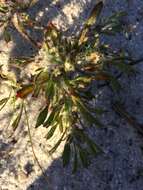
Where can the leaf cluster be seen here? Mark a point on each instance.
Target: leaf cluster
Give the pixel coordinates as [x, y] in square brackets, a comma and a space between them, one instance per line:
[73, 65]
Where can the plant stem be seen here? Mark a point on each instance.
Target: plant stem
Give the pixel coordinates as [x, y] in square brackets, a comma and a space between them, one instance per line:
[31, 141]
[6, 101]
[118, 108]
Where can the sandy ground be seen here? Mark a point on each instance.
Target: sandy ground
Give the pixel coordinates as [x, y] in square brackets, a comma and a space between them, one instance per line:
[121, 166]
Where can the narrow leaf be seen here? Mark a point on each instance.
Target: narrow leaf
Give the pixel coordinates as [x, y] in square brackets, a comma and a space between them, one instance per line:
[66, 154]
[58, 143]
[3, 9]
[51, 132]
[87, 115]
[116, 86]
[75, 161]
[94, 14]
[83, 157]
[60, 124]
[7, 36]
[42, 116]
[94, 148]
[90, 21]
[50, 118]
[127, 69]
[17, 119]
[3, 101]
[49, 90]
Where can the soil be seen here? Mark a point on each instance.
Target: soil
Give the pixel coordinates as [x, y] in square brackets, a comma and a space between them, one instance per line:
[120, 167]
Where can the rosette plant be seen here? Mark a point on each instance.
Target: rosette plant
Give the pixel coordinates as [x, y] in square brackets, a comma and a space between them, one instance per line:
[74, 64]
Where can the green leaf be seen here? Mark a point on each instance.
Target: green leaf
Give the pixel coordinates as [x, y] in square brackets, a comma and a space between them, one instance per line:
[60, 124]
[51, 132]
[87, 115]
[17, 119]
[7, 35]
[127, 69]
[42, 116]
[98, 111]
[56, 146]
[113, 24]
[58, 143]
[3, 101]
[94, 14]
[41, 77]
[66, 154]
[83, 157]
[94, 148]
[52, 117]
[68, 105]
[82, 38]
[3, 9]
[49, 90]
[52, 39]
[116, 86]
[32, 2]
[84, 79]
[75, 161]
[37, 90]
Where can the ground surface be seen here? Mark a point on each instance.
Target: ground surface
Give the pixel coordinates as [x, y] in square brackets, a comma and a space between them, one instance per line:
[121, 166]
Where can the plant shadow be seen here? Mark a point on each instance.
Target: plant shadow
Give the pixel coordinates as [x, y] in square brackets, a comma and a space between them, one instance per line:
[45, 11]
